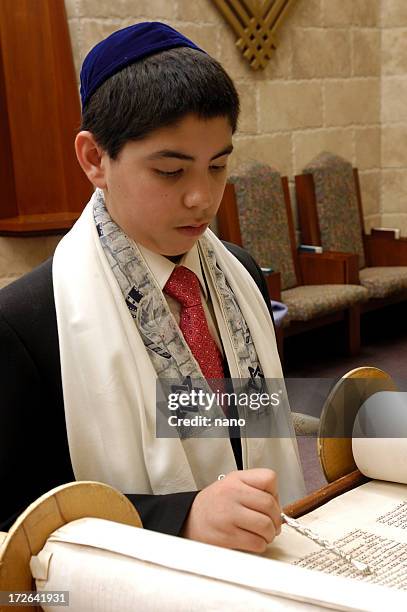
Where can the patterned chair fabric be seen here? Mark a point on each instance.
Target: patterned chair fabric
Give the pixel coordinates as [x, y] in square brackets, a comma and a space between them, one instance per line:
[337, 205]
[305, 424]
[384, 281]
[263, 219]
[310, 301]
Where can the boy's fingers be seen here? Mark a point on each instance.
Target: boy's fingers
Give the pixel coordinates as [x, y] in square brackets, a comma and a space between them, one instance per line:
[262, 502]
[257, 523]
[248, 541]
[260, 478]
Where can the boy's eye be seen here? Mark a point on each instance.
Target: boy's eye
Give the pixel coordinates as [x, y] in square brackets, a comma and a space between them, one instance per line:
[181, 170]
[173, 173]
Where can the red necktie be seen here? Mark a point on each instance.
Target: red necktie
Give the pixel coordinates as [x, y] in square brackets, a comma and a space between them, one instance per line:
[183, 285]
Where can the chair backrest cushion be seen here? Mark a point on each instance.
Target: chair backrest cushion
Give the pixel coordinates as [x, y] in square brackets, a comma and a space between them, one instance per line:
[337, 204]
[263, 219]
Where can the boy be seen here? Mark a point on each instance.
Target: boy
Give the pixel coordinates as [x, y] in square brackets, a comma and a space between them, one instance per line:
[141, 289]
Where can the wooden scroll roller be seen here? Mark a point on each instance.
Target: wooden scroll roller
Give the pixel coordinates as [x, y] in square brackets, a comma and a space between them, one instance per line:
[56, 508]
[335, 453]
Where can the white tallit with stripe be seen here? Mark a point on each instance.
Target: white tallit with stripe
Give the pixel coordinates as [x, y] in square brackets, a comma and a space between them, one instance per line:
[109, 379]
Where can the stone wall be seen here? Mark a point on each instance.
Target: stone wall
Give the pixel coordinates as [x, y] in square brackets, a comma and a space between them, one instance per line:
[394, 114]
[20, 255]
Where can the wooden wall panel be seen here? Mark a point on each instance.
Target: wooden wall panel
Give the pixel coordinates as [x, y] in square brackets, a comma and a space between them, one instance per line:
[43, 112]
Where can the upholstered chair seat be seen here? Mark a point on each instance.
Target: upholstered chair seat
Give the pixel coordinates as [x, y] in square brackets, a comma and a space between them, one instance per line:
[311, 301]
[384, 281]
[305, 424]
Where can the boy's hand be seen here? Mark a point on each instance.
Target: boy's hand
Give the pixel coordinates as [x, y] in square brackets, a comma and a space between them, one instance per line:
[241, 511]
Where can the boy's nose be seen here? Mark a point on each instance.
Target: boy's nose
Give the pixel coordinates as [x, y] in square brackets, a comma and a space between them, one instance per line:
[199, 195]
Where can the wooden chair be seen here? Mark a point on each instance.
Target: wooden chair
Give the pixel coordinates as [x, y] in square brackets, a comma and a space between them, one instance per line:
[255, 213]
[330, 213]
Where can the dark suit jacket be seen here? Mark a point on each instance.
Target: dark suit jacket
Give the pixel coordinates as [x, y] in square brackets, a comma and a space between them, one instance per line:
[34, 452]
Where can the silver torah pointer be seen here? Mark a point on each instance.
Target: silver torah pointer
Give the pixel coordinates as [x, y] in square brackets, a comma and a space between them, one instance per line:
[358, 565]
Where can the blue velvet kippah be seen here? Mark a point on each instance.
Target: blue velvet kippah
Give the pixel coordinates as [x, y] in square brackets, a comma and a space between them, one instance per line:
[125, 47]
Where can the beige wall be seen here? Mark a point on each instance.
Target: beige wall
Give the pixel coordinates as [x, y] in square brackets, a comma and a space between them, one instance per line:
[20, 255]
[394, 114]
[337, 81]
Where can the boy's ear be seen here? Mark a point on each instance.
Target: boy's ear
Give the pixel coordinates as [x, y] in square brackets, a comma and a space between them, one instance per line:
[91, 157]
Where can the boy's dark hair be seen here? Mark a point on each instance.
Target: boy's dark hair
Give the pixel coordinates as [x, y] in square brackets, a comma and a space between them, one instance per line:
[158, 91]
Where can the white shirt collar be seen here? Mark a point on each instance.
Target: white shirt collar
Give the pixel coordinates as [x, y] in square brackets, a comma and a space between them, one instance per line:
[161, 267]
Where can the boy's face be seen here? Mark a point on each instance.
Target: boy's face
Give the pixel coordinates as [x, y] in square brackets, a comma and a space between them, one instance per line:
[164, 190]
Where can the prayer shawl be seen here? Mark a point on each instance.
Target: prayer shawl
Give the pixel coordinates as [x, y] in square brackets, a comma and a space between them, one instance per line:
[117, 334]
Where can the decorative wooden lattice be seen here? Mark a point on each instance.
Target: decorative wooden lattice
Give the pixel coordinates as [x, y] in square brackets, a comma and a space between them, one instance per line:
[255, 23]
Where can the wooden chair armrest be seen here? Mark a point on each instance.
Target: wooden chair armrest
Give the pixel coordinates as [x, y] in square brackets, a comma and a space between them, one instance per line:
[384, 232]
[273, 280]
[382, 249]
[330, 267]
